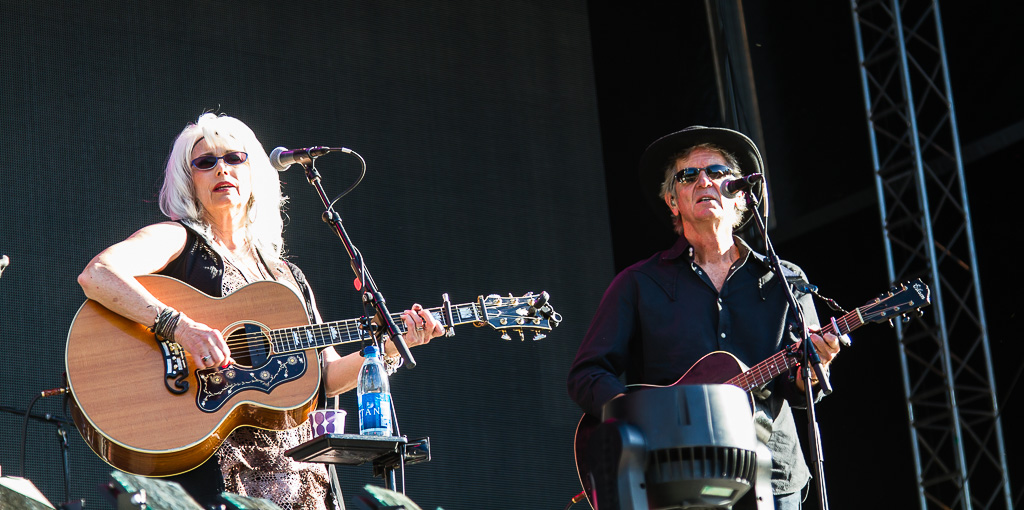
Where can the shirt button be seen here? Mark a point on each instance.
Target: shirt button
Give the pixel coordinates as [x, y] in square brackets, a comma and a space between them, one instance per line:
[723, 335]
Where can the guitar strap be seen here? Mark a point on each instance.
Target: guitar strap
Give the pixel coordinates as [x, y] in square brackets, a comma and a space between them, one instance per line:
[763, 421]
[796, 278]
[259, 253]
[300, 279]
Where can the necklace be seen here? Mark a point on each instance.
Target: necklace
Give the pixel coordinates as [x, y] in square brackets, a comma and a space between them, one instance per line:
[246, 269]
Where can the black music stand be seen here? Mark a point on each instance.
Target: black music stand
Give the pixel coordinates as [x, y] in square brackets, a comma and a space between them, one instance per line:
[386, 453]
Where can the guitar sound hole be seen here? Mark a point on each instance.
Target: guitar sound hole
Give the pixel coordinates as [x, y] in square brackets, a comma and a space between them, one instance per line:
[249, 346]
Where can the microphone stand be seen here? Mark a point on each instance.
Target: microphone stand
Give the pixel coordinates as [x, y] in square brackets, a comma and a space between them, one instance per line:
[810, 357]
[62, 434]
[364, 281]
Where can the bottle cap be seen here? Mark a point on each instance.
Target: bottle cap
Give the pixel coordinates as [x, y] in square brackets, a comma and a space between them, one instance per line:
[370, 351]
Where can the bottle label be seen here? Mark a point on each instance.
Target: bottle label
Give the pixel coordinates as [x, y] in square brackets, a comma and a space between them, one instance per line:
[375, 414]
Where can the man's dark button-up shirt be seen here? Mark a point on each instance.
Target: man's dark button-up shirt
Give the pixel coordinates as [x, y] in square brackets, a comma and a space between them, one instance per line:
[661, 315]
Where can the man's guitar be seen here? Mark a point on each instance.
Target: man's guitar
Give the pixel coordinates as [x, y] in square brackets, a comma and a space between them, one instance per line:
[724, 368]
[144, 408]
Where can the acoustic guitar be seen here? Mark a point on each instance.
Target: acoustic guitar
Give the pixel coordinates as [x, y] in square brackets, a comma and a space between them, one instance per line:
[724, 368]
[144, 407]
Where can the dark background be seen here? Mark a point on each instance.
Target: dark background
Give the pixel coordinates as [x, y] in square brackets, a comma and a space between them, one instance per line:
[654, 76]
[502, 141]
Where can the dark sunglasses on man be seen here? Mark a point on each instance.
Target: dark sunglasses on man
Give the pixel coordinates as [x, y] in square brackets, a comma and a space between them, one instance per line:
[209, 161]
[714, 172]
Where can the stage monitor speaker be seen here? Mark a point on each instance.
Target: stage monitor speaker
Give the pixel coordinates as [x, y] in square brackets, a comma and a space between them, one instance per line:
[18, 493]
[236, 502]
[692, 446]
[131, 492]
[379, 498]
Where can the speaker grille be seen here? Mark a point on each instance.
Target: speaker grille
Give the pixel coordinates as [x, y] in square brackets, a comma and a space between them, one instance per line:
[702, 463]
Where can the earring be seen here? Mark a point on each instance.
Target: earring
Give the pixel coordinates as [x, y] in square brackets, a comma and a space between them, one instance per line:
[251, 209]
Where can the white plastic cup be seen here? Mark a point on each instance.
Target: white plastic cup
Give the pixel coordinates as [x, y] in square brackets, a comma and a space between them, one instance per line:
[327, 421]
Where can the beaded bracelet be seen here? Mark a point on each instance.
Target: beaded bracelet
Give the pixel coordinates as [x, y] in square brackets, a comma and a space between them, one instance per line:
[162, 316]
[166, 322]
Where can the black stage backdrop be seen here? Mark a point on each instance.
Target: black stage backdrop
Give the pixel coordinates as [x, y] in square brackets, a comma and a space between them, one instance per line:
[479, 125]
[654, 76]
[502, 139]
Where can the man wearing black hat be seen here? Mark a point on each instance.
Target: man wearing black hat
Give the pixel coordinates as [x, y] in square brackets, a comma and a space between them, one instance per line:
[708, 292]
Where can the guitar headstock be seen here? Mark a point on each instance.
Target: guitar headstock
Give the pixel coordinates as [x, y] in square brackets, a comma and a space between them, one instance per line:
[908, 297]
[527, 312]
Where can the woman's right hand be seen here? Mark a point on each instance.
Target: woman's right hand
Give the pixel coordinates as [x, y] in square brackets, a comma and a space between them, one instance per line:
[205, 344]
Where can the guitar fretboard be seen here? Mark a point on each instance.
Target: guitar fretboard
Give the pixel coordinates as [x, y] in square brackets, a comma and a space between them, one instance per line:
[315, 336]
[782, 361]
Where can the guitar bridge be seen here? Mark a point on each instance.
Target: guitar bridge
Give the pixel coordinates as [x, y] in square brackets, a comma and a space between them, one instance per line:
[175, 367]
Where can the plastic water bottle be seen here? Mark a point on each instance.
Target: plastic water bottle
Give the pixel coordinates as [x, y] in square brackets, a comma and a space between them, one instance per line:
[374, 394]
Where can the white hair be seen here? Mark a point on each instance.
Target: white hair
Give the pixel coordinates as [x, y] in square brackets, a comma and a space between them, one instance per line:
[178, 199]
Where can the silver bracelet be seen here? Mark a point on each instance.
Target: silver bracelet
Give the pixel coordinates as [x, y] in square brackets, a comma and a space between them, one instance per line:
[392, 362]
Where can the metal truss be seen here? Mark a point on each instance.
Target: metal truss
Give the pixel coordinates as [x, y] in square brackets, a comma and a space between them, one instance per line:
[955, 429]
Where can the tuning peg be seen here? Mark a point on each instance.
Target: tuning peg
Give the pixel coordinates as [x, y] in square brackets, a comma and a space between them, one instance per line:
[538, 300]
[522, 336]
[919, 312]
[892, 324]
[906, 318]
[504, 336]
[539, 336]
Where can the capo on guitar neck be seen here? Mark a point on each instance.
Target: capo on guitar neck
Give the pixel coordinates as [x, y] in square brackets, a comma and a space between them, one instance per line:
[446, 313]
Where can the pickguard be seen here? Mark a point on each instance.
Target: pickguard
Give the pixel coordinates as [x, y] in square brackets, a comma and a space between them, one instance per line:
[218, 385]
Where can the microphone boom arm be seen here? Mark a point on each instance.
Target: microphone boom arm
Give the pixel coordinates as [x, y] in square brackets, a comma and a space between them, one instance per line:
[371, 295]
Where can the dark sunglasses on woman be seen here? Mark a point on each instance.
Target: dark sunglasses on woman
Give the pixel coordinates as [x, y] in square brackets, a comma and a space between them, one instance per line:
[209, 161]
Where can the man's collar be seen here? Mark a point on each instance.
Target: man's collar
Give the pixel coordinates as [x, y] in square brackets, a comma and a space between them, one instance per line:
[682, 247]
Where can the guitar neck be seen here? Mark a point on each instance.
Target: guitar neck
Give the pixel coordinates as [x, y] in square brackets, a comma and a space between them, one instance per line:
[315, 336]
[782, 361]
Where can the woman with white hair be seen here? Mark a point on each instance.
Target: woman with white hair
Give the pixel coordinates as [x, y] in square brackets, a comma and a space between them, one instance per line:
[224, 201]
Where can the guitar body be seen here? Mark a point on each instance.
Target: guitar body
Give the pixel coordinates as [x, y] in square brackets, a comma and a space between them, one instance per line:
[138, 421]
[714, 368]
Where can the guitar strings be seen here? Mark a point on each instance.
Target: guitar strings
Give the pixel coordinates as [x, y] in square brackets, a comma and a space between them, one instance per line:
[325, 334]
[282, 340]
[761, 373]
[349, 328]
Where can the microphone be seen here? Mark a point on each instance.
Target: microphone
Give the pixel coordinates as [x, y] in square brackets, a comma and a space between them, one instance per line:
[730, 187]
[282, 158]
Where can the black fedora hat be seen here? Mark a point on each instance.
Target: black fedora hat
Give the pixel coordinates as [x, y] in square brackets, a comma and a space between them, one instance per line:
[656, 158]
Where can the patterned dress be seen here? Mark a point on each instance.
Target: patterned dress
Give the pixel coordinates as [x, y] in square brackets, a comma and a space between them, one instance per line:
[253, 461]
